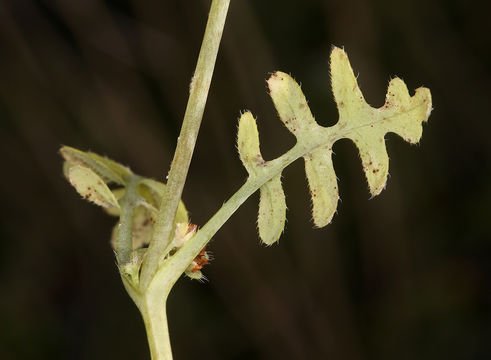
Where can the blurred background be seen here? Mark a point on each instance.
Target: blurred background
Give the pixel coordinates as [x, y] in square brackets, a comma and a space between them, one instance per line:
[405, 275]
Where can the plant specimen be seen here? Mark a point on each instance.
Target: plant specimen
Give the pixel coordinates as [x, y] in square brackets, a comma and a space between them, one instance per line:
[154, 241]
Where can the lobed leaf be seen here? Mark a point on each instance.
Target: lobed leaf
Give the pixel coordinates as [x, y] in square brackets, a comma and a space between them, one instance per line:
[401, 114]
[364, 125]
[272, 204]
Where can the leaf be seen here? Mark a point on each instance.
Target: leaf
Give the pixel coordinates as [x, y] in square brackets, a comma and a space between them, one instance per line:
[291, 105]
[248, 143]
[118, 194]
[401, 114]
[272, 211]
[91, 187]
[323, 185]
[272, 204]
[364, 125]
[109, 170]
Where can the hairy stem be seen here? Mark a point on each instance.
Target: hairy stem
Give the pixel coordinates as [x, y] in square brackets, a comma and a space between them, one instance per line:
[200, 85]
[124, 242]
[178, 263]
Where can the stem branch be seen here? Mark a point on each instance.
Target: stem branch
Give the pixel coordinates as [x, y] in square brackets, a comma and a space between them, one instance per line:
[200, 85]
[124, 242]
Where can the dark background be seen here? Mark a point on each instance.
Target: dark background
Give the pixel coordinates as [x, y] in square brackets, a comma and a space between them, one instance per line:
[405, 275]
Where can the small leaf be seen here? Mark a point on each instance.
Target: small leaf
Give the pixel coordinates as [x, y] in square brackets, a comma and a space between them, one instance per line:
[248, 143]
[272, 211]
[323, 185]
[109, 170]
[291, 104]
[91, 186]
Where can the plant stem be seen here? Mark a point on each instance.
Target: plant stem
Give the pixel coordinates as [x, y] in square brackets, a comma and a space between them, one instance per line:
[199, 87]
[124, 242]
[178, 262]
[155, 318]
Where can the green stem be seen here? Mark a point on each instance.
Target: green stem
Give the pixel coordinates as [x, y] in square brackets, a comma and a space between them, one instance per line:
[153, 301]
[200, 85]
[155, 318]
[124, 242]
[177, 263]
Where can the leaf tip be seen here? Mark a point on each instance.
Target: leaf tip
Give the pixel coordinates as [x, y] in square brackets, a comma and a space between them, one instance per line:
[337, 53]
[425, 94]
[248, 142]
[377, 186]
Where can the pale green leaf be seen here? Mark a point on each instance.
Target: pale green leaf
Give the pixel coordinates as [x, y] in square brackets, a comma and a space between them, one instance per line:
[272, 205]
[367, 126]
[291, 104]
[323, 185]
[109, 170]
[91, 186]
[118, 194]
[272, 211]
[364, 125]
[248, 143]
